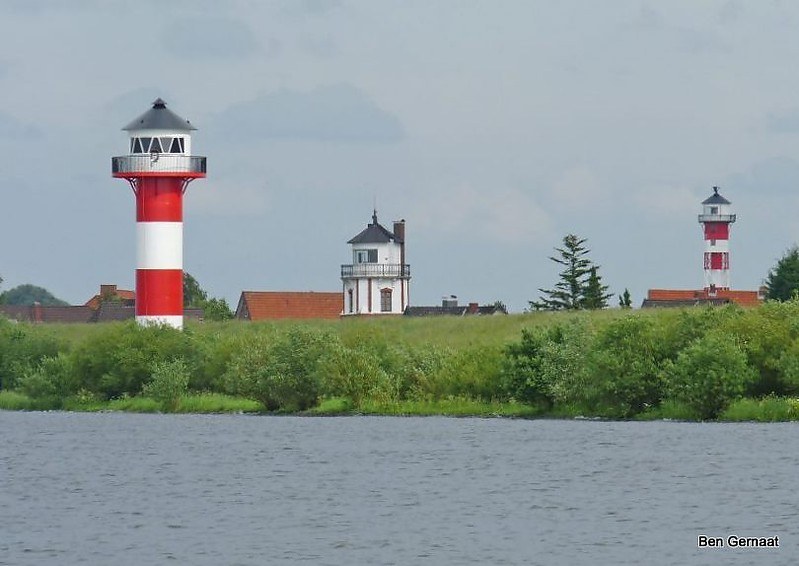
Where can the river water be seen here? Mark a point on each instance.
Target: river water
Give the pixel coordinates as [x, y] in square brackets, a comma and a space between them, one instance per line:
[128, 489]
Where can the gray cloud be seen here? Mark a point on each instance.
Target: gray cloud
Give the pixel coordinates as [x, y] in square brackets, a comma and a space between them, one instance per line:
[218, 38]
[329, 113]
[776, 176]
[11, 128]
[784, 122]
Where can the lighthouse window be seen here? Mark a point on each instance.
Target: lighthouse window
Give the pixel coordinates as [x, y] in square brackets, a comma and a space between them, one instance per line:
[365, 256]
[136, 144]
[156, 147]
[714, 210]
[176, 146]
[145, 144]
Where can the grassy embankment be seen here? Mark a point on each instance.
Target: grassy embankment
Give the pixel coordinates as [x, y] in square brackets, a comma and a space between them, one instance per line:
[698, 364]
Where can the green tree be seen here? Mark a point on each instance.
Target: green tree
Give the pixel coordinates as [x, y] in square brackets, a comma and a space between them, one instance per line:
[625, 300]
[783, 279]
[579, 285]
[28, 294]
[595, 295]
[196, 297]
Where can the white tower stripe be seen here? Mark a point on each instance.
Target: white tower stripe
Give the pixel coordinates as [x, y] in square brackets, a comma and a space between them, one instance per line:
[159, 245]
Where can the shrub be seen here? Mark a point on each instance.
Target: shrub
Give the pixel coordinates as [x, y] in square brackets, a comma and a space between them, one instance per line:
[120, 360]
[356, 375]
[279, 370]
[52, 380]
[169, 381]
[22, 348]
[548, 365]
[622, 368]
[709, 374]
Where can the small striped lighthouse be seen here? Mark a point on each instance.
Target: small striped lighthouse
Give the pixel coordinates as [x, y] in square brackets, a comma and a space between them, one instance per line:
[716, 218]
[159, 167]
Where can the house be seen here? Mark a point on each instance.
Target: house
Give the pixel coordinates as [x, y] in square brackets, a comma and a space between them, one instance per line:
[273, 305]
[110, 293]
[691, 298]
[110, 305]
[449, 306]
[377, 282]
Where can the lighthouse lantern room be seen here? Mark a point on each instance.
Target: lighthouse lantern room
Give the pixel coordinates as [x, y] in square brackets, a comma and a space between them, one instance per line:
[716, 218]
[377, 282]
[159, 167]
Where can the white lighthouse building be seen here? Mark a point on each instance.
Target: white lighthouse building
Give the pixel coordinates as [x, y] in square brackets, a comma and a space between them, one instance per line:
[716, 218]
[377, 282]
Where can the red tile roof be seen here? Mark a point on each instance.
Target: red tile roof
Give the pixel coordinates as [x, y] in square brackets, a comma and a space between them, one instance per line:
[271, 305]
[111, 292]
[743, 298]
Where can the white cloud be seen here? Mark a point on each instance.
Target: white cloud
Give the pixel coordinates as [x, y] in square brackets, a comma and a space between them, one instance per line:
[500, 215]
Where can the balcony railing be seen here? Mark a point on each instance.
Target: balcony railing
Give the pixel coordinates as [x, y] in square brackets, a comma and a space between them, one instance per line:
[376, 270]
[158, 163]
[716, 218]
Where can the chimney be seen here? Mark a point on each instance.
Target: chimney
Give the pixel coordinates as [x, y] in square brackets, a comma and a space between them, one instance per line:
[399, 235]
[473, 308]
[107, 291]
[36, 312]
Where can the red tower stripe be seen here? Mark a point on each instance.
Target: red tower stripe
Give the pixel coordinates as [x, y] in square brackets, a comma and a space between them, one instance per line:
[717, 231]
[159, 292]
[159, 199]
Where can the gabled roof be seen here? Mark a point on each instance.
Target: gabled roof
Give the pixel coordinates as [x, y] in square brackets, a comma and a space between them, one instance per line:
[374, 234]
[159, 117]
[716, 198]
[54, 314]
[689, 297]
[272, 305]
[464, 310]
[123, 296]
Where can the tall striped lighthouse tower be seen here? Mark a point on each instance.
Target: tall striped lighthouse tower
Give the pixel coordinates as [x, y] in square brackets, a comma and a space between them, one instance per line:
[159, 167]
[716, 218]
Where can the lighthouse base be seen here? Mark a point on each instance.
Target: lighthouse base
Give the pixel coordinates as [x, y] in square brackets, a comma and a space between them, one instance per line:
[175, 321]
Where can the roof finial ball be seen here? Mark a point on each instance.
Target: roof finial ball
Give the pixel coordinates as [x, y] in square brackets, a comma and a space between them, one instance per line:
[159, 167]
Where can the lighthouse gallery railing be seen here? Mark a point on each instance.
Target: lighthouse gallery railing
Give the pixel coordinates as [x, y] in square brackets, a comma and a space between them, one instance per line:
[376, 270]
[158, 163]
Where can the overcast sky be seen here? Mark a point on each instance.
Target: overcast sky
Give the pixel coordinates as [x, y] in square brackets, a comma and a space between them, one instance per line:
[493, 128]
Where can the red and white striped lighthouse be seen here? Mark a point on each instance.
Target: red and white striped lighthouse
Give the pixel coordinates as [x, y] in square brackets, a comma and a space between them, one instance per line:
[716, 218]
[159, 167]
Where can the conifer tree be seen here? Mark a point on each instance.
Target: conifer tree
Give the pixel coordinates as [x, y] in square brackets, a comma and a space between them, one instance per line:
[595, 295]
[625, 301]
[568, 291]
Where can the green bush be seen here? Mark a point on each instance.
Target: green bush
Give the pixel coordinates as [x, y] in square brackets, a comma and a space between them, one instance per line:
[279, 369]
[622, 369]
[709, 374]
[119, 360]
[548, 365]
[168, 383]
[355, 375]
[22, 348]
[52, 380]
